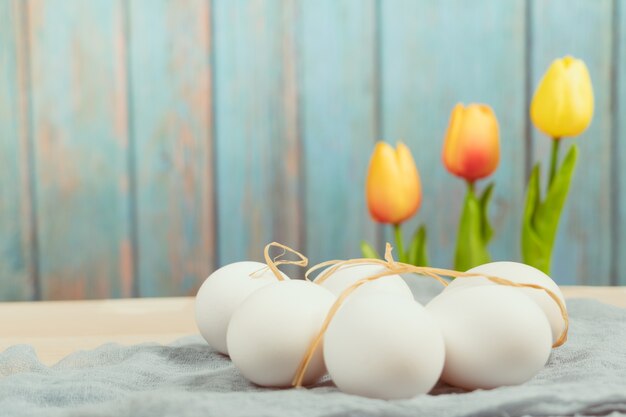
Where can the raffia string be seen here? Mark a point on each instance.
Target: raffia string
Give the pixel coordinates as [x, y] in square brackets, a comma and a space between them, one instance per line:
[273, 263]
[394, 268]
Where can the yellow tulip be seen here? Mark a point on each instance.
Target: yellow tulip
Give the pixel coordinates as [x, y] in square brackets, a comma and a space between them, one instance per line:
[393, 188]
[563, 102]
[472, 144]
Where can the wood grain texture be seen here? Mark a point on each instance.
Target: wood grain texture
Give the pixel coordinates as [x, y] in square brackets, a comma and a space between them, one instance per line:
[257, 148]
[253, 120]
[170, 92]
[338, 119]
[17, 281]
[619, 146]
[87, 324]
[433, 55]
[582, 252]
[80, 148]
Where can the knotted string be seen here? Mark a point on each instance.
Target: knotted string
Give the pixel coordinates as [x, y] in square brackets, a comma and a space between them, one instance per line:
[394, 268]
[273, 263]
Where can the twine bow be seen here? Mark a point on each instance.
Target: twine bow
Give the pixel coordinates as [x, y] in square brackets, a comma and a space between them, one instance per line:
[273, 263]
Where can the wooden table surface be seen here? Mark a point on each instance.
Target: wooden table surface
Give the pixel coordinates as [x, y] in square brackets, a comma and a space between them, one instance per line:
[57, 328]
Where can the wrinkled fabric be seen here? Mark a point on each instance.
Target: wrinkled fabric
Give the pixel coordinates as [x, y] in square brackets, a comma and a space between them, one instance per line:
[586, 376]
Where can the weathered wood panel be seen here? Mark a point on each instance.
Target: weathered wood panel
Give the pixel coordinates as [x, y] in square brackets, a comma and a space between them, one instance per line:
[17, 280]
[257, 149]
[102, 199]
[80, 148]
[338, 122]
[618, 275]
[170, 81]
[433, 55]
[581, 28]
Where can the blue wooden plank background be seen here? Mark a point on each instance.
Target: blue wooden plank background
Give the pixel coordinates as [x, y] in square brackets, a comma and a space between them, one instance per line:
[337, 71]
[78, 114]
[16, 225]
[256, 145]
[618, 173]
[143, 143]
[169, 47]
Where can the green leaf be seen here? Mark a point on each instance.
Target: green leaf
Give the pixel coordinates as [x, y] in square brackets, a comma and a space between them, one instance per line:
[533, 195]
[485, 225]
[534, 250]
[549, 212]
[471, 247]
[541, 219]
[368, 251]
[418, 254]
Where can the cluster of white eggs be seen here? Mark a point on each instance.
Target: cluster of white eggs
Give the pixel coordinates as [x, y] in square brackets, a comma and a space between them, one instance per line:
[380, 342]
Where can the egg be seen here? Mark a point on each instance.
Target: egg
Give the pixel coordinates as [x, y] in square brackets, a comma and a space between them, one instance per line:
[272, 329]
[347, 275]
[523, 274]
[385, 346]
[494, 336]
[222, 292]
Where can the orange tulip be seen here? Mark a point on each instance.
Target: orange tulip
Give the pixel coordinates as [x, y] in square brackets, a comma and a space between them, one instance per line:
[393, 188]
[472, 145]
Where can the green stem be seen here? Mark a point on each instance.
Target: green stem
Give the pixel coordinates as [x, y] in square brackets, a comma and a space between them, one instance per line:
[399, 242]
[470, 186]
[554, 159]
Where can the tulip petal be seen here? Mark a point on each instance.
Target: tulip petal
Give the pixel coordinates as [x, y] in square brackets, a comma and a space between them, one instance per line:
[393, 187]
[472, 145]
[451, 143]
[563, 103]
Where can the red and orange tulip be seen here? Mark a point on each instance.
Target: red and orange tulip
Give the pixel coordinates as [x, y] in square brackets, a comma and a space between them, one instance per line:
[471, 151]
[472, 145]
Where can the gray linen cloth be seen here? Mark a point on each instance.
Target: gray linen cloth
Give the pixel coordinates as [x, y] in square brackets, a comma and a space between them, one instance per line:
[586, 376]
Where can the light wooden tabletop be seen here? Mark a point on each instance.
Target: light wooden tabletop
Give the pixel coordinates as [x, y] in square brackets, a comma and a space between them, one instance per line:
[57, 328]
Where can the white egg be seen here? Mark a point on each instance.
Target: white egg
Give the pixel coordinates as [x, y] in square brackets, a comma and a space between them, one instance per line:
[222, 292]
[272, 329]
[383, 346]
[494, 336]
[347, 275]
[523, 274]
